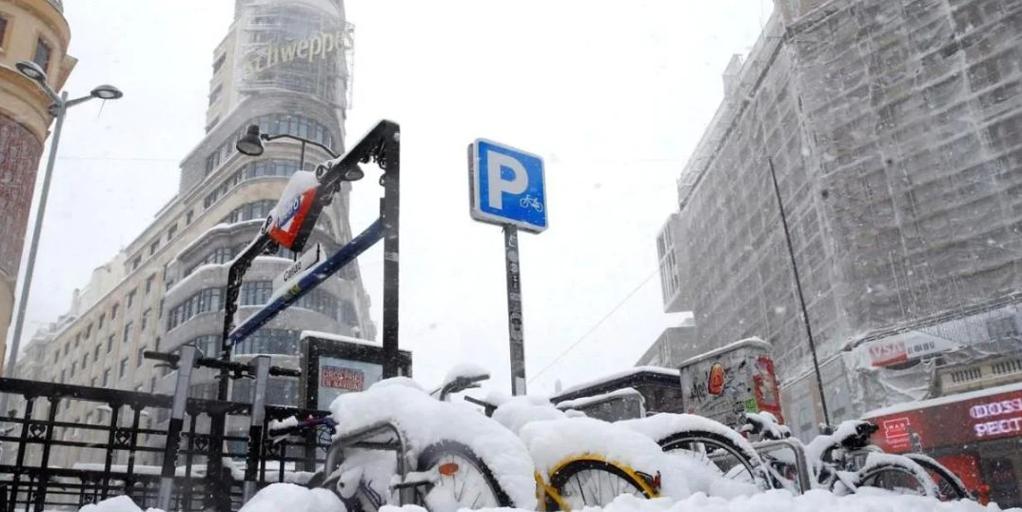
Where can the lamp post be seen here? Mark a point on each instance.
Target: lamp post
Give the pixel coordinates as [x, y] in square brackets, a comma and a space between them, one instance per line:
[801, 296]
[57, 109]
[251, 144]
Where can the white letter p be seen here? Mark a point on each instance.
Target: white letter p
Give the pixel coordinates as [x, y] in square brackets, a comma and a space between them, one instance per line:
[497, 185]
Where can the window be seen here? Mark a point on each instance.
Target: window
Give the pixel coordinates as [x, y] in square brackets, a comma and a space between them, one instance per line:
[131, 298]
[215, 95]
[85, 360]
[136, 262]
[254, 210]
[106, 377]
[152, 385]
[149, 283]
[113, 312]
[140, 358]
[153, 246]
[188, 217]
[3, 30]
[61, 376]
[78, 339]
[109, 343]
[127, 331]
[74, 366]
[102, 318]
[56, 356]
[88, 331]
[202, 301]
[219, 62]
[145, 319]
[42, 54]
[67, 348]
[92, 383]
[171, 232]
[124, 368]
[95, 354]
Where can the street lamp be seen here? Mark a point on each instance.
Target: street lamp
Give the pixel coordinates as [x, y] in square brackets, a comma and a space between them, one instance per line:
[57, 109]
[801, 296]
[251, 144]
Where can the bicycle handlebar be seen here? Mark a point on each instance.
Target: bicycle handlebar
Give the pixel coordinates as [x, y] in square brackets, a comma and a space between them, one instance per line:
[210, 362]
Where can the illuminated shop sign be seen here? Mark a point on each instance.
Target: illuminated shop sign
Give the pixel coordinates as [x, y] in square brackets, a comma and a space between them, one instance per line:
[995, 416]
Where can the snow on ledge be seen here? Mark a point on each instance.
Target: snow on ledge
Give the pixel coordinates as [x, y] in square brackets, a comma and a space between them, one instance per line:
[589, 400]
[943, 400]
[670, 372]
[337, 337]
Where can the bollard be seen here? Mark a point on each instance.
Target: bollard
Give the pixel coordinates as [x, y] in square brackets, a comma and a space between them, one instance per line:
[177, 414]
[255, 429]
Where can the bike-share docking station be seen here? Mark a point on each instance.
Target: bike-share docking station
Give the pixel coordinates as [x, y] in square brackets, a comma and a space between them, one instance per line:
[507, 188]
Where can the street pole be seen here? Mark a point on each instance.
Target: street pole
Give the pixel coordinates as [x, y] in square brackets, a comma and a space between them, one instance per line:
[515, 321]
[801, 296]
[58, 110]
[390, 212]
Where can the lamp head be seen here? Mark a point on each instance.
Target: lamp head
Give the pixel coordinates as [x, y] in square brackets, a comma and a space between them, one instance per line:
[106, 92]
[31, 70]
[251, 143]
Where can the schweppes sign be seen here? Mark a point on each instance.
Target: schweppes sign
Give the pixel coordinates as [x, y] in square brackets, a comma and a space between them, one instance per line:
[317, 46]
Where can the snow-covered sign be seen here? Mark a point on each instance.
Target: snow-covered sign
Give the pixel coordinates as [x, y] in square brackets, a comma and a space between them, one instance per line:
[303, 263]
[905, 347]
[507, 186]
[287, 224]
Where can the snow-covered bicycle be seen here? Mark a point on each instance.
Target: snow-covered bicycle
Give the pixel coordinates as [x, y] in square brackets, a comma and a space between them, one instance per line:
[845, 461]
[397, 444]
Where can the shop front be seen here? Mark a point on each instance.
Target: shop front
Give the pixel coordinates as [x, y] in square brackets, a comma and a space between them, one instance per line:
[978, 435]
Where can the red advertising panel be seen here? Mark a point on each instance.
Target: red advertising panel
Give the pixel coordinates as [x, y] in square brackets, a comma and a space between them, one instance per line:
[944, 422]
[768, 394]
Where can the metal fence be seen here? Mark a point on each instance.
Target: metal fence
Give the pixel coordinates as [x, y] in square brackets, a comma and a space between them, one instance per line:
[50, 462]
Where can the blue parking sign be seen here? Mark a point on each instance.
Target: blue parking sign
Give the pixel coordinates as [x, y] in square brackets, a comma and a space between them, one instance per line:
[507, 186]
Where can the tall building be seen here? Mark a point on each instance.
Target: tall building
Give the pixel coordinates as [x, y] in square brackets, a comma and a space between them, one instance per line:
[29, 30]
[284, 66]
[895, 129]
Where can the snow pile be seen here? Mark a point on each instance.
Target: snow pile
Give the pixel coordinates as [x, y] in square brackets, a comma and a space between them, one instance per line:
[553, 442]
[424, 421]
[875, 460]
[661, 426]
[467, 371]
[117, 504]
[701, 474]
[767, 422]
[581, 403]
[778, 501]
[292, 498]
[516, 412]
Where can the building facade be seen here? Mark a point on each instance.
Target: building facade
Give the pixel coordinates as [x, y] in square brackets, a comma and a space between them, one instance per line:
[276, 69]
[32, 30]
[895, 131]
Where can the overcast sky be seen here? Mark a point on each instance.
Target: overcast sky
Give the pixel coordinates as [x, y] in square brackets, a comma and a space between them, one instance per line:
[613, 95]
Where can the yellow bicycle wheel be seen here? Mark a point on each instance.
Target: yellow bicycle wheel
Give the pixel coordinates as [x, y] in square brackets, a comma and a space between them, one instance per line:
[591, 480]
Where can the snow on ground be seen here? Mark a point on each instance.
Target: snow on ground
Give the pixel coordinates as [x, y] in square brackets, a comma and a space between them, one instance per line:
[293, 498]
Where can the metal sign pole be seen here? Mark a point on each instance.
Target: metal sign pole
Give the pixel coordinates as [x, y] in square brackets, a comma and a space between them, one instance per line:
[515, 321]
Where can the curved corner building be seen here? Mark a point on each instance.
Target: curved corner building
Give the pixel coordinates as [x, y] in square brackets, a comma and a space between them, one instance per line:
[283, 66]
[33, 30]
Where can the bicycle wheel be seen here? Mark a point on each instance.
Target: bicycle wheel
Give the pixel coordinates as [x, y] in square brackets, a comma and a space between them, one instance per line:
[593, 482]
[900, 478]
[949, 486]
[462, 479]
[708, 444]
